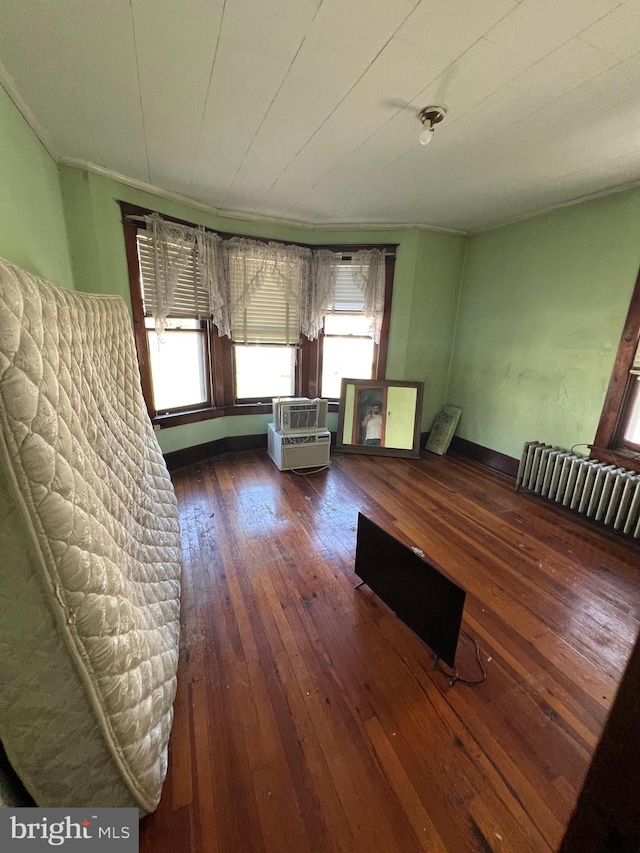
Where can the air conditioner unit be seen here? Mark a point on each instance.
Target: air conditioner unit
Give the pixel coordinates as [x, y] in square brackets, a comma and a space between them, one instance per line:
[310, 450]
[299, 415]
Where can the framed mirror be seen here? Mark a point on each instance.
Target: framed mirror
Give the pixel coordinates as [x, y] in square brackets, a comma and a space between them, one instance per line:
[380, 417]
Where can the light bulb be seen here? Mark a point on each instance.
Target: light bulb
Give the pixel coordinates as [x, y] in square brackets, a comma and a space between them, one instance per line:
[427, 133]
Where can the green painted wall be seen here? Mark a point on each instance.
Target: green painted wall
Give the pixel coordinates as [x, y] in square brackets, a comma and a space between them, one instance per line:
[427, 278]
[33, 233]
[542, 308]
[439, 261]
[84, 239]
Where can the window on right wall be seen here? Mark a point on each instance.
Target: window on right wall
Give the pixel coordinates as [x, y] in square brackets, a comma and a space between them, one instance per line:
[618, 437]
[630, 435]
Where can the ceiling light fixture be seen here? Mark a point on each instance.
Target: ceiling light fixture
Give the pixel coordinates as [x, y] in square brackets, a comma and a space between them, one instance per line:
[430, 116]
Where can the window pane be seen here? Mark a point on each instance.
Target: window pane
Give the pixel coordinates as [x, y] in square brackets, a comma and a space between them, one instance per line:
[264, 372]
[177, 369]
[350, 357]
[632, 432]
[347, 324]
[347, 295]
[175, 323]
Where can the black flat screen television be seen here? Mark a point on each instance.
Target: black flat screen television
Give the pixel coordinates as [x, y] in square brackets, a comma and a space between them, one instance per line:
[426, 600]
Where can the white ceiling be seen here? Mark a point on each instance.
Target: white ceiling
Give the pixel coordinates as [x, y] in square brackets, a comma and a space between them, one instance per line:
[307, 109]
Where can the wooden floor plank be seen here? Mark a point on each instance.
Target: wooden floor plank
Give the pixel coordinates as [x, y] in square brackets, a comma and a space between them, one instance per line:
[308, 717]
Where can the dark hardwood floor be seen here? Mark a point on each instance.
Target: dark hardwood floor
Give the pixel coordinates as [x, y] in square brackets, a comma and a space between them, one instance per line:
[308, 717]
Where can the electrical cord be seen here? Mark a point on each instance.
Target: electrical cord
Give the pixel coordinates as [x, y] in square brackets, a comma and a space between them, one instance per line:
[582, 444]
[453, 677]
[313, 470]
[630, 454]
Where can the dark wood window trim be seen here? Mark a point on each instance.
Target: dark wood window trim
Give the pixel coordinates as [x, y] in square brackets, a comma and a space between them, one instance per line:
[137, 309]
[608, 443]
[383, 348]
[220, 349]
[206, 330]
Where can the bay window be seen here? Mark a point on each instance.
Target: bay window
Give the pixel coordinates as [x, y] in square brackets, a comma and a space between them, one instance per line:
[225, 323]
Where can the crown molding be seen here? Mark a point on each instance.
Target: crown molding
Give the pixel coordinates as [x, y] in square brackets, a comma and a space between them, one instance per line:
[620, 188]
[9, 85]
[248, 216]
[381, 226]
[135, 183]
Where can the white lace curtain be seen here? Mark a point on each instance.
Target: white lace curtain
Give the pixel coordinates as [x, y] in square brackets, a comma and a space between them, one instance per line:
[213, 272]
[369, 276]
[234, 272]
[173, 248]
[265, 282]
[317, 295]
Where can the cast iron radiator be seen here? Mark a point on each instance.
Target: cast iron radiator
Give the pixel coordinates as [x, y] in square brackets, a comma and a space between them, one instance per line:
[598, 490]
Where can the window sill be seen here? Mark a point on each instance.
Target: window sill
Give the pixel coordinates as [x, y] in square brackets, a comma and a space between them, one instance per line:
[174, 419]
[194, 415]
[621, 457]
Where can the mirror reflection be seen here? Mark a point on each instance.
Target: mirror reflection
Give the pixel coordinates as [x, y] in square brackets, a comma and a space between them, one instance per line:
[380, 416]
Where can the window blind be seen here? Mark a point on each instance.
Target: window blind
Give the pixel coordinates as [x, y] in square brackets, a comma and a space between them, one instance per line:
[191, 300]
[347, 296]
[264, 309]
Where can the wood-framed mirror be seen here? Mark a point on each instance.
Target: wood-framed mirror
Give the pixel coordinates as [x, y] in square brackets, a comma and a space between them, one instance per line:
[380, 417]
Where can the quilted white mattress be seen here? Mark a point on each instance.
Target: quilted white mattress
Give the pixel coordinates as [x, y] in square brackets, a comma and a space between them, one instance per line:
[89, 554]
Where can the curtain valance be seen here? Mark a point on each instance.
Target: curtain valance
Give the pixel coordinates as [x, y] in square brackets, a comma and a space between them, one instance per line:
[253, 291]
